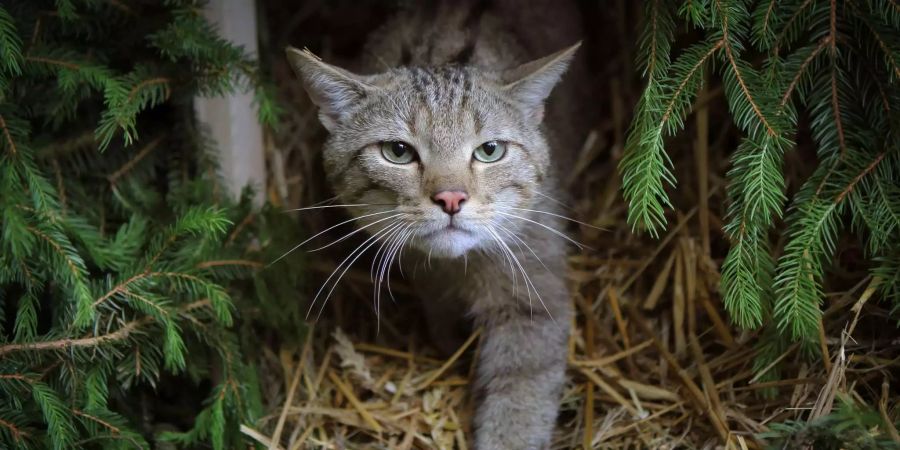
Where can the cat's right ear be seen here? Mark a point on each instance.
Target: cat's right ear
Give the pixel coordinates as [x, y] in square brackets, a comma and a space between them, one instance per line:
[334, 90]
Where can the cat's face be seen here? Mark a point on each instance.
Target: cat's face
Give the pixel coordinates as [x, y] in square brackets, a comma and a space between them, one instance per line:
[444, 158]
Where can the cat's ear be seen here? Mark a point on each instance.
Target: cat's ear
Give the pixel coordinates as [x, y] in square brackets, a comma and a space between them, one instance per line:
[531, 83]
[334, 90]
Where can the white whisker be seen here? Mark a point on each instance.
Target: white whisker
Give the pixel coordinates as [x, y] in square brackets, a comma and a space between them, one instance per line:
[325, 231]
[384, 262]
[577, 244]
[376, 286]
[348, 235]
[512, 271]
[400, 257]
[385, 271]
[516, 238]
[557, 215]
[378, 254]
[506, 250]
[525, 275]
[358, 251]
[552, 199]
[350, 205]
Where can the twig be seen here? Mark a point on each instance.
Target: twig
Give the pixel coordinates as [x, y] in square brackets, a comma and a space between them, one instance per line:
[701, 155]
[119, 334]
[450, 360]
[133, 161]
[363, 412]
[276, 435]
[9, 140]
[230, 262]
[258, 437]
[853, 183]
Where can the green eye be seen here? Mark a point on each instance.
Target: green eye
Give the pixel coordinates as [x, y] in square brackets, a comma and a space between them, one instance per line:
[398, 152]
[491, 151]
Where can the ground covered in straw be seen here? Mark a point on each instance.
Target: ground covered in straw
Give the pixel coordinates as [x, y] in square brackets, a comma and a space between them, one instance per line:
[653, 361]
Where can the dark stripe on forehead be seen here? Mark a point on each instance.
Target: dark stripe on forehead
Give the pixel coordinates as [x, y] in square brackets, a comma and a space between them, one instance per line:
[465, 54]
[476, 12]
[471, 23]
[405, 55]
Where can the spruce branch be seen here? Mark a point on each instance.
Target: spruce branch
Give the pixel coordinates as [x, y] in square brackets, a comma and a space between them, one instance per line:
[847, 190]
[230, 262]
[696, 12]
[164, 82]
[802, 69]
[789, 30]
[745, 90]
[11, 145]
[53, 62]
[122, 333]
[763, 29]
[56, 415]
[812, 241]
[835, 103]
[141, 154]
[891, 57]
[18, 434]
[654, 43]
[677, 100]
[116, 247]
[836, 109]
[10, 44]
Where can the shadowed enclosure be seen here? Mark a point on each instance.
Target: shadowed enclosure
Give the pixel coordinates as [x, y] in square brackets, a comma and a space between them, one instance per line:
[733, 228]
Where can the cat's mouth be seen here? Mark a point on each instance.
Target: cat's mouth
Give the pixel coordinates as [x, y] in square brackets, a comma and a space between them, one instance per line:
[448, 229]
[450, 240]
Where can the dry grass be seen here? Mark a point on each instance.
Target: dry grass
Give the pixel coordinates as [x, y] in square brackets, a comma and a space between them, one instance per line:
[653, 359]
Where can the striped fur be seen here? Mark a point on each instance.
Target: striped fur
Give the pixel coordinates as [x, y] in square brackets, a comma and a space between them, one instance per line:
[445, 79]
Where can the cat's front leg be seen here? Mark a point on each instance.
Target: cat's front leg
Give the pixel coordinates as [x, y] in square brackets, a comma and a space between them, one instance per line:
[520, 377]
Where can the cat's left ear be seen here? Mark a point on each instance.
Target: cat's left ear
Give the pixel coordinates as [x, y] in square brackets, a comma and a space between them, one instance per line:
[334, 90]
[531, 83]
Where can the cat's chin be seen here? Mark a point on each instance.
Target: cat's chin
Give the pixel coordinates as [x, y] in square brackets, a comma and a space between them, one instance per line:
[448, 243]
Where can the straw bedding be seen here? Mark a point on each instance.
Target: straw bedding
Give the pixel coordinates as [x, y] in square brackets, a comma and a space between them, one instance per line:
[653, 360]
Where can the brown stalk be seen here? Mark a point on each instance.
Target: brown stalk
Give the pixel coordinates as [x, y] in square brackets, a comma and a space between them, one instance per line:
[701, 152]
[107, 425]
[806, 62]
[229, 262]
[835, 104]
[119, 334]
[743, 84]
[53, 62]
[59, 184]
[768, 15]
[684, 82]
[8, 136]
[653, 26]
[853, 183]
[133, 161]
[787, 25]
[17, 434]
[58, 248]
[150, 82]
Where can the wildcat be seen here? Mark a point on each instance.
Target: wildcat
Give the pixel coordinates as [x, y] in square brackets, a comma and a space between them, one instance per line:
[444, 148]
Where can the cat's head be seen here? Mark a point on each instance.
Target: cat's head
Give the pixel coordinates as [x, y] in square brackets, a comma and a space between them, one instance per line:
[443, 156]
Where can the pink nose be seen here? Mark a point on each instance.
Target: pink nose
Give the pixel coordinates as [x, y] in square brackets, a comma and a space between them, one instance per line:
[450, 201]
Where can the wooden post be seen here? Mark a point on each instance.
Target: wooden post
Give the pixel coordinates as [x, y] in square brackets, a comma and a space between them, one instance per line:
[232, 120]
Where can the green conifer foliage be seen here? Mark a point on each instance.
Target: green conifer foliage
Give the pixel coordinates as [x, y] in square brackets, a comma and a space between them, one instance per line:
[121, 262]
[831, 64]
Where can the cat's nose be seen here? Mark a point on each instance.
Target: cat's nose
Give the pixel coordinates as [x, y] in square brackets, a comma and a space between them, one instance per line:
[450, 201]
